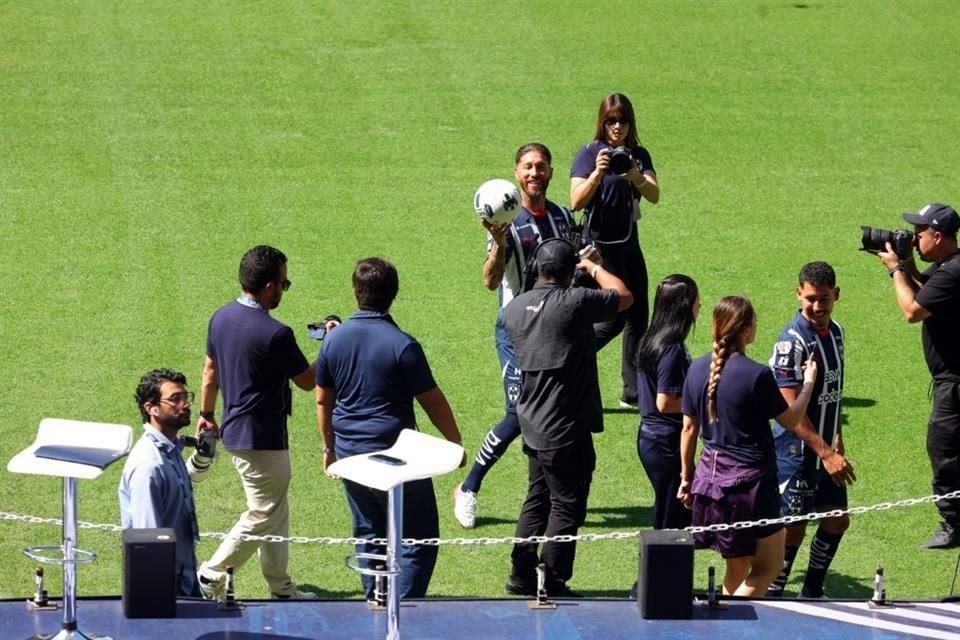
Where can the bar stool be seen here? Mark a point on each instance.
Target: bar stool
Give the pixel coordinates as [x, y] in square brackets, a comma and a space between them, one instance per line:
[70, 449]
[414, 456]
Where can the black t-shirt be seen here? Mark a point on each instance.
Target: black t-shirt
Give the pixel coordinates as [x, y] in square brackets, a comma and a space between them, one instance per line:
[940, 295]
[551, 328]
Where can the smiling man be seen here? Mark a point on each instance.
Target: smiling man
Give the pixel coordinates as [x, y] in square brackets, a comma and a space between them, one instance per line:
[509, 269]
[805, 483]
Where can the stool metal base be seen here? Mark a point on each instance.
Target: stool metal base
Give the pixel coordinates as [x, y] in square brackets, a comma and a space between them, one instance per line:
[64, 634]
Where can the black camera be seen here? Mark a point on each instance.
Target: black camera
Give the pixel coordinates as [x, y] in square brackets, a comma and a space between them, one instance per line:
[875, 240]
[206, 444]
[318, 330]
[575, 236]
[620, 160]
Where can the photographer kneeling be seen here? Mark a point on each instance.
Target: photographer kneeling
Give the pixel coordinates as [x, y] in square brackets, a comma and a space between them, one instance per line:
[933, 297]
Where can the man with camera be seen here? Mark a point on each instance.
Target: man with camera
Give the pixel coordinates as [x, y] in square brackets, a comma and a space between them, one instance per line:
[368, 374]
[933, 298]
[509, 269]
[559, 408]
[155, 489]
[251, 357]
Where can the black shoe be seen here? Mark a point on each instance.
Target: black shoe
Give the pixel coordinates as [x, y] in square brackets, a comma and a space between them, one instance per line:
[561, 590]
[517, 586]
[945, 537]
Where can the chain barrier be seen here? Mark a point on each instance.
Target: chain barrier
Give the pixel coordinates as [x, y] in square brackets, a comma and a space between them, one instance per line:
[483, 541]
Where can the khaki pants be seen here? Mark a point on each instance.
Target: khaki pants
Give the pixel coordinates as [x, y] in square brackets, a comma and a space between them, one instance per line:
[266, 478]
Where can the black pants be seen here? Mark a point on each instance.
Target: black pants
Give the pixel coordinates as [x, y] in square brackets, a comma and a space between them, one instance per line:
[943, 447]
[627, 263]
[556, 504]
[661, 460]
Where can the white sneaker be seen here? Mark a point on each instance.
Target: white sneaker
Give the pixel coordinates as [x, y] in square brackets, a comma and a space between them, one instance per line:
[212, 589]
[465, 507]
[296, 595]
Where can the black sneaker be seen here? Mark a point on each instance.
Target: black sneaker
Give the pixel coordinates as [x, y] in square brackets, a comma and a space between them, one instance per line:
[561, 590]
[943, 538]
[517, 586]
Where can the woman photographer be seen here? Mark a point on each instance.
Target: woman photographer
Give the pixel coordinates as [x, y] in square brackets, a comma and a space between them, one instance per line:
[608, 178]
[728, 399]
[662, 363]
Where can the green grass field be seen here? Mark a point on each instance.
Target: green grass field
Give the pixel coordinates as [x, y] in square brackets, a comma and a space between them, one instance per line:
[146, 145]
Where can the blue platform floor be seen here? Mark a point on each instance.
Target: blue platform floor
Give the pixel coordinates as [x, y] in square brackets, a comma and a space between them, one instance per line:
[495, 619]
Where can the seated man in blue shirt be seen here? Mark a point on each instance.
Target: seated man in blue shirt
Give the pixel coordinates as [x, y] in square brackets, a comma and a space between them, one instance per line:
[368, 374]
[155, 489]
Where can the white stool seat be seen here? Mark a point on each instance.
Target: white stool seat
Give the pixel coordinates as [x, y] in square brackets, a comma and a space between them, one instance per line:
[73, 449]
[70, 449]
[422, 456]
[414, 456]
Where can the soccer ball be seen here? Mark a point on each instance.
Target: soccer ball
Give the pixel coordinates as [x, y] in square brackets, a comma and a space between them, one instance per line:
[497, 201]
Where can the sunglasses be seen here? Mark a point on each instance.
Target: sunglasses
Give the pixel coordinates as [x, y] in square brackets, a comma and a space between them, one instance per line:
[612, 121]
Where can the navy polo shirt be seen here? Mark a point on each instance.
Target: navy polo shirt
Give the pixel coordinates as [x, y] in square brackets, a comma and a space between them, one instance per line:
[671, 372]
[376, 371]
[747, 398]
[255, 356]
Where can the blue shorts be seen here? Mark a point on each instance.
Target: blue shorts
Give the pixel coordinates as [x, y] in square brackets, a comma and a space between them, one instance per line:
[804, 491]
[509, 369]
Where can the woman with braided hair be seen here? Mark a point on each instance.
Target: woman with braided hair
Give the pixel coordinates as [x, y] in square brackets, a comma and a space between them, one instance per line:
[728, 399]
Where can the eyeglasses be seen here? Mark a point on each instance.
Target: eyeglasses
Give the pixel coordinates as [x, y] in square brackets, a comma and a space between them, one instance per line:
[285, 285]
[612, 121]
[180, 399]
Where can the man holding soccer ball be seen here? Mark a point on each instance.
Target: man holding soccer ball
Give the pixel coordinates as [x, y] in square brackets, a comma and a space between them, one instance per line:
[508, 267]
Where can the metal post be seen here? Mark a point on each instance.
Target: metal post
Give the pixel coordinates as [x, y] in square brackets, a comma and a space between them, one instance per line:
[69, 555]
[394, 535]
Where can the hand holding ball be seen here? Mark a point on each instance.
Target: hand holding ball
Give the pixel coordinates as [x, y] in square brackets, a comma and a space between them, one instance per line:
[497, 201]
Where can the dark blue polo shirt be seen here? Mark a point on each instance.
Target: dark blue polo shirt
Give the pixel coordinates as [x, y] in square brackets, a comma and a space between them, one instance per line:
[747, 398]
[255, 356]
[376, 371]
[671, 372]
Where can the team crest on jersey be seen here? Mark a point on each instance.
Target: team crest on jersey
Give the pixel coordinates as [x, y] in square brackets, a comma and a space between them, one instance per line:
[784, 346]
[513, 393]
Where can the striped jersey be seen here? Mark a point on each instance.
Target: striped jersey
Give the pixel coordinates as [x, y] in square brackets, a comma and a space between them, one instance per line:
[798, 342]
[523, 237]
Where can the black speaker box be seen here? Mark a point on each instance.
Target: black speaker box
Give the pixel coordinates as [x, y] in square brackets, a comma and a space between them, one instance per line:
[149, 573]
[665, 578]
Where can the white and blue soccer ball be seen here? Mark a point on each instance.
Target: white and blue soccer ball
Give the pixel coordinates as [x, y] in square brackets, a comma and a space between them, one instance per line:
[497, 201]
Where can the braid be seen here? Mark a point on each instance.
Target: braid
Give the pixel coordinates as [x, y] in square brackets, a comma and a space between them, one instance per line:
[732, 317]
[717, 360]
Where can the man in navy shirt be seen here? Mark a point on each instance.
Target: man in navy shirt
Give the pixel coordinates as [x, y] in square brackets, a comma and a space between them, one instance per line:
[559, 407]
[805, 485]
[155, 489]
[251, 357]
[368, 374]
[933, 297]
[509, 270]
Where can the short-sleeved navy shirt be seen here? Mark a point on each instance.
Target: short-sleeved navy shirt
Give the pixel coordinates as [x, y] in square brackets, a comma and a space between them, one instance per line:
[612, 209]
[747, 398]
[376, 371]
[671, 372]
[255, 356]
[551, 328]
[940, 295]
